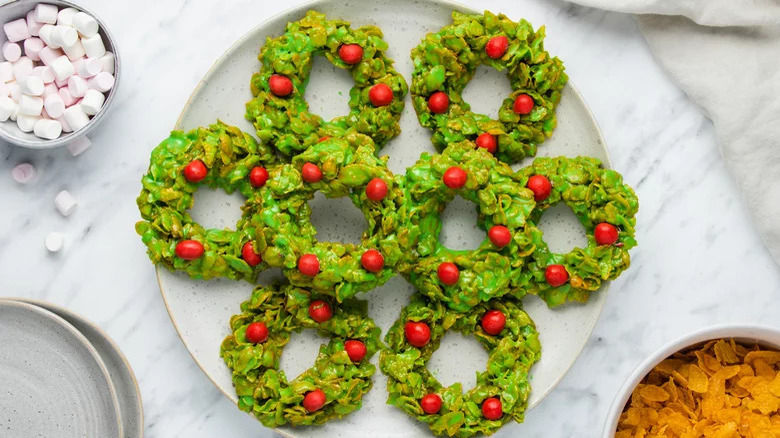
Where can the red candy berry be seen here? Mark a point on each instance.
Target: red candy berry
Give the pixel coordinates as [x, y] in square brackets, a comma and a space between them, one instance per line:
[195, 171]
[491, 408]
[309, 265]
[448, 273]
[605, 234]
[314, 400]
[493, 322]
[556, 275]
[327, 137]
[431, 403]
[356, 350]
[499, 235]
[376, 189]
[258, 176]
[417, 333]
[496, 46]
[256, 333]
[487, 141]
[320, 311]
[540, 185]
[351, 53]
[280, 85]
[311, 173]
[523, 104]
[189, 249]
[454, 177]
[372, 260]
[380, 95]
[249, 255]
[438, 102]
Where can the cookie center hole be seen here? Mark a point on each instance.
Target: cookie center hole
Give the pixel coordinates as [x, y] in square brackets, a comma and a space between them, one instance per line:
[336, 219]
[300, 353]
[328, 89]
[458, 359]
[459, 230]
[562, 230]
[213, 208]
[487, 90]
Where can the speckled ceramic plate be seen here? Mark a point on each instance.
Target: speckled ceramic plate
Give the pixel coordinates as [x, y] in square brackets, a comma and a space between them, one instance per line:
[125, 384]
[53, 382]
[201, 310]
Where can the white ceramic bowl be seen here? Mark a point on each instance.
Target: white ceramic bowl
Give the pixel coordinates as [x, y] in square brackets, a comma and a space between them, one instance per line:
[745, 333]
[10, 11]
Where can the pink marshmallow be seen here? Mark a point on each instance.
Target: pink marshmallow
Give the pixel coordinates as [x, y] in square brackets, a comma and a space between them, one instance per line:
[101, 82]
[67, 97]
[47, 55]
[33, 47]
[65, 126]
[17, 30]
[77, 86]
[46, 74]
[33, 26]
[11, 51]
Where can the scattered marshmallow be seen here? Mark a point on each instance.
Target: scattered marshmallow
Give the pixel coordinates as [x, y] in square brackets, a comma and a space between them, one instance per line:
[48, 54]
[65, 16]
[67, 97]
[23, 173]
[30, 105]
[54, 242]
[44, 33]
[12, 51]
[45, 13]
[33, 26]
[26, 122]
[108, 62]
[101, 82]
[85, 24]
[45, 73]
[65, 203]
[22, 68]
[64, 36]
[63, 68]
[6, 108]
[74, 51]
[89, 67]
[54, 105]
[79, 145]
[32, 85]
[17, 30]
[65, 128]
[92, 102]
[77, 86]
[33, 47]
[47, 128]
[93, 46]
[76, 117]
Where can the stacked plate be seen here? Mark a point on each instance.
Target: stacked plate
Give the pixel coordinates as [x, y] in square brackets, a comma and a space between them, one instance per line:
[62, 376]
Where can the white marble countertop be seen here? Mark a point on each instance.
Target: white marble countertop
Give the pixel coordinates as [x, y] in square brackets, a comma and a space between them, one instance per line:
[700, 261]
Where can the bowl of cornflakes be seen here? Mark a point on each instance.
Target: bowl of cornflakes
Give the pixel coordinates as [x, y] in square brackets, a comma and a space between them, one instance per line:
[722, 381]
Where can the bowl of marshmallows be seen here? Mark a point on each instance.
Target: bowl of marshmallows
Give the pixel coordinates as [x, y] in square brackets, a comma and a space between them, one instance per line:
[58, 74]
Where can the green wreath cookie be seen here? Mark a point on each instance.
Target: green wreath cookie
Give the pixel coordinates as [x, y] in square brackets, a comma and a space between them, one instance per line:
[219, 156]
[336, 167]
[279, 110]
[446, 61]
[463, 278]
[502, 390]
[332, 388]
[604, 205]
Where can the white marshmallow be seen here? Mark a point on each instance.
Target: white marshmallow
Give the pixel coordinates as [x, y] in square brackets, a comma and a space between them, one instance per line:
[47, 54]
[102, 82]
[44, 33]
[22, 68]
[26, 123]
[4, 91]
[54, 105]
[108, 62]
[44, 115]
[23, 173]
[54, 242]
[46, 13]
[74, 51]
[61, 84]
[76, 117]
[16, 30]
[89, 67]
[79, 145]
[65, 203]
[15, 113]
[77, 86]
[33, 26]
[48, 129]
[64, 36]
[33, 47]
[11, 51]
[30, 105]
[14, 90]
[50, 89]
[93, 46]
[92, 102]
[62, 67]
[6, 71]
[45, 73]
[67, 97]
[65, 128]
[85, 24]
[65, 16]
[6, 108]
[32, 85]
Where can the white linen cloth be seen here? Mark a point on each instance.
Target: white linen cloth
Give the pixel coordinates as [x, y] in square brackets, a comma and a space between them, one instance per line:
[725, 54]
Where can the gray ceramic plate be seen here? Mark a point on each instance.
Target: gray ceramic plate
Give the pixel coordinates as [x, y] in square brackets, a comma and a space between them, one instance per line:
[53, 382]
[125, 384]
[201, 310]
